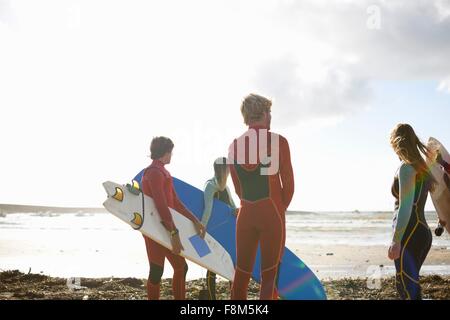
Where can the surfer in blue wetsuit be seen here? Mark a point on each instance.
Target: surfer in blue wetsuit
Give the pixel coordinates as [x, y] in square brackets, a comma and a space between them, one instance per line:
[215, 188]
[412, 237]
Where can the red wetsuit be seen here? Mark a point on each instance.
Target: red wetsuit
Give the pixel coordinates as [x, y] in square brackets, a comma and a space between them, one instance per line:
[158, 184]
[261, 218]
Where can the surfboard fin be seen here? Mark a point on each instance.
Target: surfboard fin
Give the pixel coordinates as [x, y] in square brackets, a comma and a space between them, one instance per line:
[137, 220]
[118, 195]
[134, 189]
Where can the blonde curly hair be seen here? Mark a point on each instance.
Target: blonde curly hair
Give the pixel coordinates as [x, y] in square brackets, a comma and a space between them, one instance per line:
[253, 107]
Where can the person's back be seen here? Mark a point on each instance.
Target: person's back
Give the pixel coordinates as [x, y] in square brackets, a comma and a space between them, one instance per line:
[157, 169]
[262, 175]
[255, 178]
[422, 187]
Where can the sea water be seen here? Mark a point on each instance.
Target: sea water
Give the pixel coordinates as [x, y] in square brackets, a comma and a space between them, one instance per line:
[100, 245]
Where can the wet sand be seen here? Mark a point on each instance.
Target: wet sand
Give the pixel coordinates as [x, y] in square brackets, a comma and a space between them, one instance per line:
[19, 286]
[344, 261]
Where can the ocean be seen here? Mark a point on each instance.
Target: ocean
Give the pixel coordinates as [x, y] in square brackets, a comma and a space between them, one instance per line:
[100, 245]
[349, 228]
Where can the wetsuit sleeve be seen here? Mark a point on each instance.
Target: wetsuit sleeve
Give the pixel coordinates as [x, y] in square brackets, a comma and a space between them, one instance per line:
[156, 180]
[407, 182]
[286, 172]
[208, 199]
[181, 208]
[232, 204]
[236, 182]
[234, 176]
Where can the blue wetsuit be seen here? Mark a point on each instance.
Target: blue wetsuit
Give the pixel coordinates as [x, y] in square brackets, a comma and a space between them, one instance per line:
[415, 236]
[212, 191]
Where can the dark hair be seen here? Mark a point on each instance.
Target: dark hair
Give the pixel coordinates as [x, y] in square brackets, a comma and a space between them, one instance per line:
[160, 146]
[220, 166]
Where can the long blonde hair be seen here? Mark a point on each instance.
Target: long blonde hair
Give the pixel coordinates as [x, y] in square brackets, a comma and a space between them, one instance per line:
[409, 148]
[220, 171]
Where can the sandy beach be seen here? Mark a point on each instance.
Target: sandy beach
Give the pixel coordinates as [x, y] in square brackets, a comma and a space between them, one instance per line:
[15, 285]
[345, 261]
[47, 249]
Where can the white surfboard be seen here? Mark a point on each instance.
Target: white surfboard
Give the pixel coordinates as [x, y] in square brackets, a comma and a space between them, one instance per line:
[441, 195]
[126, 203]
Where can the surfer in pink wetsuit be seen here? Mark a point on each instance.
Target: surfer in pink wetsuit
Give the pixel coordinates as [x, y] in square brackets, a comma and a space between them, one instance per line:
[260, 166]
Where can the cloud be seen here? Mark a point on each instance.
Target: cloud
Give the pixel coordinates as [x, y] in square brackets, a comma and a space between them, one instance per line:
[315, 58]
[336, 94]
[413, 39]
[7, 16]
[444, 85]
[412, 43]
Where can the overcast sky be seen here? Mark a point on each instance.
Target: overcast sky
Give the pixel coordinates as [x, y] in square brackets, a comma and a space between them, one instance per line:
[85, 85]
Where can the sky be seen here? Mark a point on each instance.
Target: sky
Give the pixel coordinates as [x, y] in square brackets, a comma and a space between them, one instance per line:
[86, 85]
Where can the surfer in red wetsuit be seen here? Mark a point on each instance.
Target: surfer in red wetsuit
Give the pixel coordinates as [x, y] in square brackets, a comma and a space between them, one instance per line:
[157, 183]
[261, 170]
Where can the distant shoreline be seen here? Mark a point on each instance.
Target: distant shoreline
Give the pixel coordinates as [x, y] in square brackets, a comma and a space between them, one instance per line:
[15, 208]
[18, 208]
